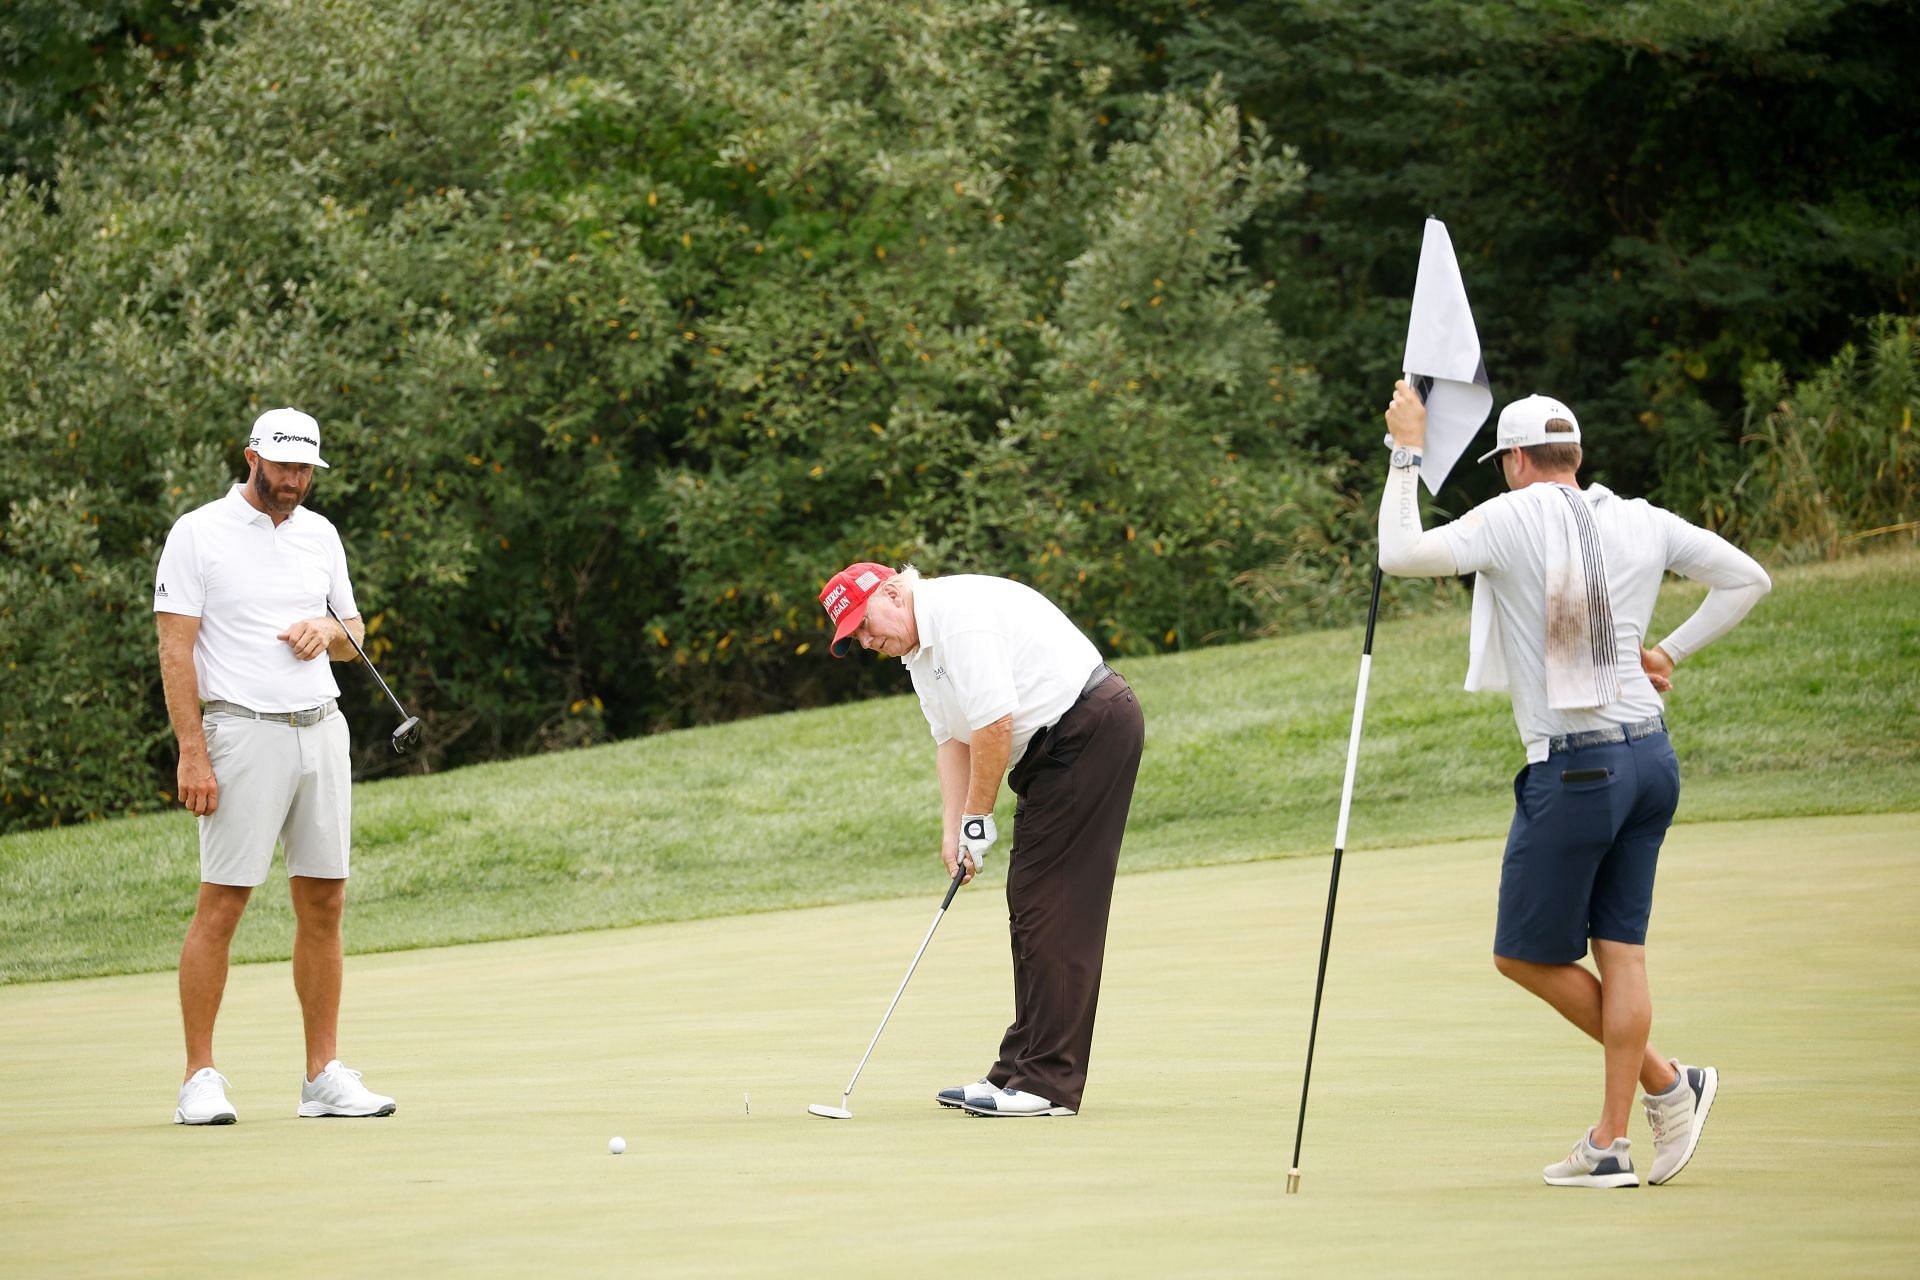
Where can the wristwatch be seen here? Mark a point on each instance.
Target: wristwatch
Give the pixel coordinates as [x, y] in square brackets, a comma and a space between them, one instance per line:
[1403, 457]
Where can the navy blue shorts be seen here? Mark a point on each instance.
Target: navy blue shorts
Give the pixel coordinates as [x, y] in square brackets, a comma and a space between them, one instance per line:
[1586, 835]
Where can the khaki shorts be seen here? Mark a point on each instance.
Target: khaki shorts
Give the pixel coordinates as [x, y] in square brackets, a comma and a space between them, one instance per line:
[278, 784]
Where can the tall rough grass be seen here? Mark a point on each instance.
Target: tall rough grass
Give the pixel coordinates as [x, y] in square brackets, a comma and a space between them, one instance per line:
[1832, 463]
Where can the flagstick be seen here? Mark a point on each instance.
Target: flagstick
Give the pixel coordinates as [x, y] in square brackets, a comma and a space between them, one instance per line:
[1333, 885]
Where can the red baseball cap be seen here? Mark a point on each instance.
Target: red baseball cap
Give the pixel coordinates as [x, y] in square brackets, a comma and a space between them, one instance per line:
[845, 599]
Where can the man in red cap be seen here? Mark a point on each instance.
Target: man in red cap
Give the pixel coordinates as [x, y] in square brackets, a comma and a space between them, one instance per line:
[1005, 679]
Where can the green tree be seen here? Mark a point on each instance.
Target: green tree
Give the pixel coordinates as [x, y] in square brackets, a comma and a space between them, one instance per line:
[61, 61]
[626, 323]
[1647, 198]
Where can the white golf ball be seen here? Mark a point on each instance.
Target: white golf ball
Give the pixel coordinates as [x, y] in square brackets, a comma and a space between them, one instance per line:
[616, 1145]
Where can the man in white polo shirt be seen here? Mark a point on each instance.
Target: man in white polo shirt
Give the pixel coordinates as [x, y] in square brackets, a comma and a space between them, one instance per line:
[1567, 582]
[1004, 678]
[240, 600]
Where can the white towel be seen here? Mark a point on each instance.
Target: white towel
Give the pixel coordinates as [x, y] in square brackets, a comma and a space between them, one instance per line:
[1486, 659]
[1581, 658]
[1582, 661]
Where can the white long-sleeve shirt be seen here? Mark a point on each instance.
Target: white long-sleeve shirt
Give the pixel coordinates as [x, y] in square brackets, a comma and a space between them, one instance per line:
[1502, 540]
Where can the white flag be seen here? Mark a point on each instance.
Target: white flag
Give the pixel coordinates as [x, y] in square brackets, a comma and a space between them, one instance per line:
[1443, 358]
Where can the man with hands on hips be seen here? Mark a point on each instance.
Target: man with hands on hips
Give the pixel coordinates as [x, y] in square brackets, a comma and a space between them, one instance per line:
[1566, 586]
[240, 602]
[1004, 678]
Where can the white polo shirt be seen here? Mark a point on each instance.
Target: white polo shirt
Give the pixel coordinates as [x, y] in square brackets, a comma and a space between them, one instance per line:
[248, 581]
[992, 647]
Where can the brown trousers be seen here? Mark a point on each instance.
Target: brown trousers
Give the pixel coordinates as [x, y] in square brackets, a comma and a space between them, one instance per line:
[1075, 784]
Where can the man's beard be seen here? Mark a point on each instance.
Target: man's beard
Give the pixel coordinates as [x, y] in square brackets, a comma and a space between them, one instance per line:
[270, 498]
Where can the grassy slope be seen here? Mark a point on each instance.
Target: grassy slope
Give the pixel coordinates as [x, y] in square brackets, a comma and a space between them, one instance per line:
[1808, 708]
[1438, 1092]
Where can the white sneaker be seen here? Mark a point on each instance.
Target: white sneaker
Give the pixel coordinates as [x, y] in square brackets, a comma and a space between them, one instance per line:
[203, 1100]
[1012, 1102]
[978, 1091]
[1591, 1166]
[1677, 1117]
[337, 1091]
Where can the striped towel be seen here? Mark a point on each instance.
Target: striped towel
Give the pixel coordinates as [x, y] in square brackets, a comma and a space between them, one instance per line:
[1580, 651]
[1582, 660]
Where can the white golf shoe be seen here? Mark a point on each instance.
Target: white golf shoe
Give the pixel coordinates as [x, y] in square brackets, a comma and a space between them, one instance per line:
[959, 1097]
[203, 1100]
[337, 1091]
[1012, 1102]
[1677, 1117]
[1591, 1166]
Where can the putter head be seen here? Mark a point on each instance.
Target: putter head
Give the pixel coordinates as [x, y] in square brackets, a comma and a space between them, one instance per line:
[407, 735]
[831, 1113]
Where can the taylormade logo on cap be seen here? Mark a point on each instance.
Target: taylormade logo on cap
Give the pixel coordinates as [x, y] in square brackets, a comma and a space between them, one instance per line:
[1523, 424]
[287, 435]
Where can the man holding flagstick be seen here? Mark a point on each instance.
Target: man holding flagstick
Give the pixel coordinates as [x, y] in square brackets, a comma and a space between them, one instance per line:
[1567, 579]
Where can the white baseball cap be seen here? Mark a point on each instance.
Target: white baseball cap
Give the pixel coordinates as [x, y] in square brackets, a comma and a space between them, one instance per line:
[1523, 424]
[288, 435]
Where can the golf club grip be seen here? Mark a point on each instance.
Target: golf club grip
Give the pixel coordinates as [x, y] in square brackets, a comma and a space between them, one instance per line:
[369, 661]
[348, 632]
[959, 878]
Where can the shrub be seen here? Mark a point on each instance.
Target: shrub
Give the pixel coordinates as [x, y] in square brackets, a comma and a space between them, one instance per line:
[626, 324]
[1833, 461]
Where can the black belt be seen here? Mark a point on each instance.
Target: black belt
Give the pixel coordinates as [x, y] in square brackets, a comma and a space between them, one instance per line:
[298, 719]
[1038, 742]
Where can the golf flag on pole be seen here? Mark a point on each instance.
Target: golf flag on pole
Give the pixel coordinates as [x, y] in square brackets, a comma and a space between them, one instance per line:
[1443, 357]
[1443, 364]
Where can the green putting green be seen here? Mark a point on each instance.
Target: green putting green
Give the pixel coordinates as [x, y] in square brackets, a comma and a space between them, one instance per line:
[1783, 952]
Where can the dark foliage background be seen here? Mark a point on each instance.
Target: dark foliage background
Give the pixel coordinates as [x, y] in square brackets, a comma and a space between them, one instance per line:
[1648, 199]
[627, 322]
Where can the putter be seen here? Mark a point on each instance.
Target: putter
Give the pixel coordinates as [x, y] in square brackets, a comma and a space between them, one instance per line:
[840, 1112]
[408, 734]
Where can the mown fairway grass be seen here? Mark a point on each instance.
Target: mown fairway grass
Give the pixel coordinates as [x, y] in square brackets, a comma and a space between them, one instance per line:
[1783, 952]
[1811, 707]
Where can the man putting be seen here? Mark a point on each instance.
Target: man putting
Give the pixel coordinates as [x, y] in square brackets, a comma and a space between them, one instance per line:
[1005, 678]
[240, 601]
[1567, 583]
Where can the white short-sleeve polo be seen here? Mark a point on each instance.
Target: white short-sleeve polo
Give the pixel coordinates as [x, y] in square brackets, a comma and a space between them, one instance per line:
[247, 580]
[991, 647]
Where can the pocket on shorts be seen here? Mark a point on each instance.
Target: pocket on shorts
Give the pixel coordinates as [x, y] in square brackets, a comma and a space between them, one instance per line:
[221, 739]
[1548, 791]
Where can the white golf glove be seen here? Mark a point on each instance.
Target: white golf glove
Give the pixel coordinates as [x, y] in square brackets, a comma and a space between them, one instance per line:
[977, 834]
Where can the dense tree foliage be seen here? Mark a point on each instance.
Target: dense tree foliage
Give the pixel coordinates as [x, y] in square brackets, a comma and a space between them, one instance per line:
[1648, 198]
[629, 321]
[63, 61]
